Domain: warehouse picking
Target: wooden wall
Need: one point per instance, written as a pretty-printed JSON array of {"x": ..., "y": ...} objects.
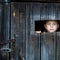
[
  {"x": 30, "y": 45},
  {"x": 33, "y": 46}
]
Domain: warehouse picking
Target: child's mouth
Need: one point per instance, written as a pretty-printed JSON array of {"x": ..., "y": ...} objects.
[{"x": 51, "y": 29}]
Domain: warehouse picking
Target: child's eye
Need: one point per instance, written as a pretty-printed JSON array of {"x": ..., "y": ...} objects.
[
  {"x": 54, "y": 24},
  {"x": 49, "y": 24}
]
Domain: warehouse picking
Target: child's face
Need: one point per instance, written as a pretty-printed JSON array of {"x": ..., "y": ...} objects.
[{"x": 51, "y": 26}]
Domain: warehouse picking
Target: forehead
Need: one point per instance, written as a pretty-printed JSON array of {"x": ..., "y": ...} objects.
[{"x": 51, "y": 22}]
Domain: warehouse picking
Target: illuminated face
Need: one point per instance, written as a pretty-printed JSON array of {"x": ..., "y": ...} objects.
[{"x": 51, "y": 26}]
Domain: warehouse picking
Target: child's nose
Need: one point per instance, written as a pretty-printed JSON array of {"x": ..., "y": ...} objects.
[{"x": 51, "y": 25}]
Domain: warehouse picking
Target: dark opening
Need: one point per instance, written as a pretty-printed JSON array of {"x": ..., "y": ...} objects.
[{"x": 39, "y": 25}]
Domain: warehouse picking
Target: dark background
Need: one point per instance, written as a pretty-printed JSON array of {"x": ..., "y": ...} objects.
[{"x": 29, "y": 0}]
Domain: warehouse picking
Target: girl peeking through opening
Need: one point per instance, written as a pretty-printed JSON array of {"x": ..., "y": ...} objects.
[{"x": 51, "y": 25}]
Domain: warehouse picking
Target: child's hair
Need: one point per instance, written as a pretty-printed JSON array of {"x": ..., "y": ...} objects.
[
  {"x": 58, "y": 22},
  {"x": 51, "y": 20}
]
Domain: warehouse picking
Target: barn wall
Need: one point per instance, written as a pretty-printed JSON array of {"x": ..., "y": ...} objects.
[{"x": 28, "y": 44}]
